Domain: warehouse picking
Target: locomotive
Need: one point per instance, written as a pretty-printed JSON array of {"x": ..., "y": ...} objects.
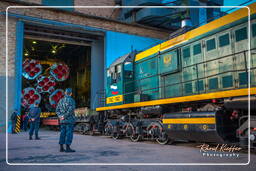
[{"x": 196, "y": 86}]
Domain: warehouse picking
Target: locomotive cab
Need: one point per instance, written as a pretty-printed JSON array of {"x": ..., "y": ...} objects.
[{"x": 119, "y": 75}]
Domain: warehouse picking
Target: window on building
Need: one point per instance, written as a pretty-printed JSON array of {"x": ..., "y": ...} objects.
[
  {"x": 253, "y": 30},
  {"x": 186, "y": 52},
  {"x": 224, "y": 40},
  {"x": 59, "y": 3},
  {"x": 197, "y": 49},
  {"x": 210, "y": 44},
  {"x": 241, "y": 34}
]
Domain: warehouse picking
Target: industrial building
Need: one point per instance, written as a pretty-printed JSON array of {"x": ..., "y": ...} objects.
[
  {"x": 87, "y": 40},
  {"x": 140, "y": 70}
]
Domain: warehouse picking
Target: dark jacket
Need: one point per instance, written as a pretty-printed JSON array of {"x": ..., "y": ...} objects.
[
  {"x": 34, "y": 113},
  {"x": 14, "y": 116},
  {"x": 66, "y": 108}
]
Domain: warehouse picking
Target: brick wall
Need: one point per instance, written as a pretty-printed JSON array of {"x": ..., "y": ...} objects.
[
  {"x": 11, "y": 67},
  {"x": 33, "y": 1},
  {"x": 96, "y": 22},
  {"x": 11, "y": 45},
  {"x": 102, "y": 12},
  {"x": 108, "y": 13}
]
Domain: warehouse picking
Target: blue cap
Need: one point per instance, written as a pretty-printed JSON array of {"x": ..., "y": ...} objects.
[{"x": 68, "y": 90}]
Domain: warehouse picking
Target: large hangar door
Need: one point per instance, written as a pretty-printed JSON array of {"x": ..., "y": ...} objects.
[{"x": 83, "y": 53}]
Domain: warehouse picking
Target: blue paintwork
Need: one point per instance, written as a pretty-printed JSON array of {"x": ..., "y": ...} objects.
[
  {"x": 59, "y": 3},
  {"x": 119, "y": 44},
  {"x": 18, "y": 62}
]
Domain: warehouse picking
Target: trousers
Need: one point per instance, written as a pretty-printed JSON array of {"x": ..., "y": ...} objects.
[
  {"x": 66, "y": 133},
  {"x": 13, "y": 126},
  {"x": 25, "y": 124},
  {"x": 34, "y": 127}
]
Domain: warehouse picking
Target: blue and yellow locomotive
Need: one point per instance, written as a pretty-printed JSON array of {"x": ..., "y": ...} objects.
[{"x": 195, "y": 86}]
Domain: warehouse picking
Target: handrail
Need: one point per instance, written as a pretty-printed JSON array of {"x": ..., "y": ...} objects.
[
  {"x": 191, "y": 80},
  {"x": 210, "y": 60},
  {"x": 157, "y": 89}
]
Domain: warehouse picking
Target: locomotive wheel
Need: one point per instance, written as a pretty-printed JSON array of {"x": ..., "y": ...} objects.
[
  {"x": 135, "y": 137},
  {"x": 83, "y": 128},
  {"x": 129, "y": 130},
  {"x": 163, "y": 139},
  {"x": 160, "y": 136},
  {"x": 116, "y": 136},
  {"x": 108, "y": 129},
  {"x": 92, "y": 133}
]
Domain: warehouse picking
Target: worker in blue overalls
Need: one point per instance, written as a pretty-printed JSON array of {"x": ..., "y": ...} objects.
[
  {"x": 65, "y": 111},
  {"x": 34, "y": 119}
]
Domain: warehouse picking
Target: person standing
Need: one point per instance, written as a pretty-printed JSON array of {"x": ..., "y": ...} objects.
[
  {"x": 25, "y": 121},
  {"x": 14, "y": 120},
  {"x": 65, "y": 112},
  {"x": 34, "y": 118}
]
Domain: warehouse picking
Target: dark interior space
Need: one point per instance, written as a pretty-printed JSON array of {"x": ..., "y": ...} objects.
[{"x": 76, "y": 57}]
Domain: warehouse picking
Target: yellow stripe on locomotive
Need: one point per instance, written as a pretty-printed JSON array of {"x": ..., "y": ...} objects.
[
  {"x": 205, "y": 63},
  {"x": 190, "y": 87}
]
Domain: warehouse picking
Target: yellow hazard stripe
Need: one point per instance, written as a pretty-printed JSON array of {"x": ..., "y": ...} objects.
[
  {"x": 190, "y": 121},
  {"x": 227, "y": 19},
  {"x": 17, "y": 126},
  {"x": 213, "y": 95}
]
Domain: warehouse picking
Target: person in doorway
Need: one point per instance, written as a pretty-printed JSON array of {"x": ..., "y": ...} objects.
[
  {"x": 65, "y": 112},
  {"x": 14, "y": 120},
  {"x": 34, "y": 119}
]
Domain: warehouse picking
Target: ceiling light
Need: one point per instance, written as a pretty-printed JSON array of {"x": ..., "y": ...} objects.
[
  {"x": 34, "y": 42},
  {"x": 53, "y": 51},
  {"x": 26, "y": 54}
]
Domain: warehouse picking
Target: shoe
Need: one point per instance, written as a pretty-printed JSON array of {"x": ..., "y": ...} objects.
[
  {"x": 30, "y": 138},
  {"x": 69, "y": 150},
  {"x": 37, "y": 138},
  {"x": 62, "y": 148}
]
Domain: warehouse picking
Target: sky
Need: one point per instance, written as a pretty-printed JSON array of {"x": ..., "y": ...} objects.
[{"x": 236, "y": 3}]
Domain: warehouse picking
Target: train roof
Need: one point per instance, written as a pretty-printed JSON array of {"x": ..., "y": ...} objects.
[
  {"x": 129, "y": 57},
  {"x": 227, "y": 19}
]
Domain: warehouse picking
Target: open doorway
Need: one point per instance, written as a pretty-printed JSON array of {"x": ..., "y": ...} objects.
[{"x": 51, "y": 66}]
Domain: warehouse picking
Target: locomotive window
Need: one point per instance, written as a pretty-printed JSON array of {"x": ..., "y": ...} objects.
[
  {"x": 112, "y": 70},
  {"x": 118, "y": 72},
  {"x": 186, "y": 52},
  {"x": 108, "y": 73},
  {"x": 224, "y": 40},
  {"x": 241, "y": 34},
  {"x": 253, "y": 30},
  {"x": 213, "y": 83},
  {"x": 113, "y": 78},
  {"x": 119, "y": 68},
  {"x": 152, "y": 65},
  {"x": 197, "y": 49},
  {"x": 210, "y": 44}
]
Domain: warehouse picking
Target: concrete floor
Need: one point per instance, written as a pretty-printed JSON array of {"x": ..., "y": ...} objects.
[{"x": 98, "y": 149}]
